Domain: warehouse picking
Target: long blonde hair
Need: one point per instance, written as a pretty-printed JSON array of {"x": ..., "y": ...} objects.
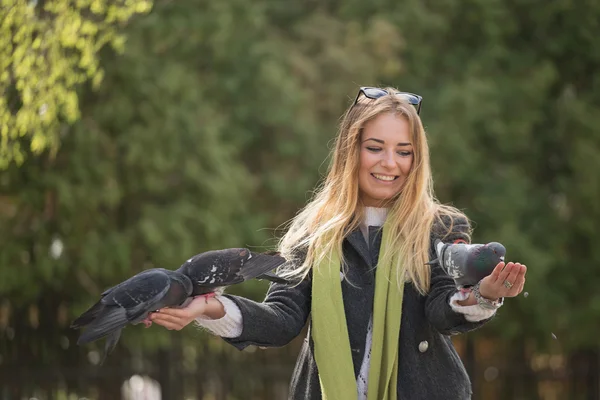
[{"x": 336, "y": 210}]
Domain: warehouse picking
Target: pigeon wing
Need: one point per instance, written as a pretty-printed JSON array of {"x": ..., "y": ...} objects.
[
  {"x": 151, "y": 291},
  {"x": 231, "y": 266},
  {"x": 455, "y": 259},
  {"x": 128, "y": 303},
  {"x": 92, "y": 313},
  {"x": 259, "y": 265},
  {"x": 459, "y": 267}
]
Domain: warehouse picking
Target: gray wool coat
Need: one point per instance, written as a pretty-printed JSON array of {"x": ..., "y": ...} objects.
[{"x": 429, "y": 367}]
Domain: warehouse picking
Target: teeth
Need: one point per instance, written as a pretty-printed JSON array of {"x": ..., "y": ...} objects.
[{"x": 384, "y": 177}]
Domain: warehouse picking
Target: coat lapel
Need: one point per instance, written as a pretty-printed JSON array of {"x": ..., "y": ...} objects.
[
  {"x": 375, "y": 236},
  {"x": 357, "y": 241}
]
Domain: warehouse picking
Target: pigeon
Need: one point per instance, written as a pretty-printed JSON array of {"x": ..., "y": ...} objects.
[
  {"x": 467, "y": 264},
  {"x": 130, "y": 302},
  {"x": 212, "y": 271},
  {"x": 205, "y": 274}
]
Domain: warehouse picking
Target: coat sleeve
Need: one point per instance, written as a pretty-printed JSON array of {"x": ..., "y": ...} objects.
[
  {"x": 442, "y": 287},
  {"x": 275, "y": 321}
]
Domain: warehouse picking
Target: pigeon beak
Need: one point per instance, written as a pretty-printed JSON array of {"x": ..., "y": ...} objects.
[{"x": 502, "y": 258}]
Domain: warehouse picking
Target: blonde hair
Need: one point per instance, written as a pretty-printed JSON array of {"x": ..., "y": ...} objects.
[{"x": 336, "y": 210}]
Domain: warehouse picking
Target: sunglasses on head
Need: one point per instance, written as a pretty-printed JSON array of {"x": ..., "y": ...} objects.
[{"x": 375, "y": 93}]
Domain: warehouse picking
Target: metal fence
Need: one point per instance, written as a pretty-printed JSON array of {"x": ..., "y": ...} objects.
[{"x": 207, "y": 368}]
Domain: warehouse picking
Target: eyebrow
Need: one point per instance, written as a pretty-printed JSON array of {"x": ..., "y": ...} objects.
[{"x": 383, "y": 142}]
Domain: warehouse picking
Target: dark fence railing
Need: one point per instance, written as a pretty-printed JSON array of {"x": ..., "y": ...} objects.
[{"x": 201, "y": 367}]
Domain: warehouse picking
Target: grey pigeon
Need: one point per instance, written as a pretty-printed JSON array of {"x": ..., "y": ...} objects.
[
  {"x": 130, "y": 302},
  {"x": 467, "y": 264},
  {"x": 212, "y": 271}
]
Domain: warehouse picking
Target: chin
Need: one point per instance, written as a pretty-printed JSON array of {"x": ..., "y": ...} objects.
[
  {"x": 388, "y": 196},
  {"x": 390, "y": 199},
  {"x": 380, "y": 201}
]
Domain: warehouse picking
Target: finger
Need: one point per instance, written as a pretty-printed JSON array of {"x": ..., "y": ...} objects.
[
  {"x": 523, "y": 269},
  {"x": 521, "y": 286},
  {"x": 169, "y": 325},
  {"x": 505, "y": 272},
  {"x": 496, "y": 272},
  {"x": 174, "y": 312},
  {"x": 515, "y": 284},
  {"x": 522, "y": 273},
  {"x": 176, "y": 322},
  {"x": 159, "y": 316},
  {"x": 519, "y": 281},
  {"x": 513, "y": 274}
]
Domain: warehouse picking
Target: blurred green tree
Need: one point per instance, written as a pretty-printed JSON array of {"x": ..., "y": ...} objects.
[
  {"x": 48, "y": 48},
  {"x": 214, "y": 125}
]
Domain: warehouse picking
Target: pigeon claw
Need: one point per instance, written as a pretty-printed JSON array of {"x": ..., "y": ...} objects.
[
  {"x": 206, "y": 296},
  {"x": 464, "y": 290}
]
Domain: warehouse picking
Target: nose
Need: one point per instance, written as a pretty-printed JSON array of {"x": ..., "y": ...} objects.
[{"x": 388, "y": 159}]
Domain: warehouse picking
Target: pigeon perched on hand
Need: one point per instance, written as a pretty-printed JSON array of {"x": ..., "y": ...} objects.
[
  {"x": 467, "y": 264},
  {"x": 212, "y": 271},
  {"x": 130, "y": 302}
]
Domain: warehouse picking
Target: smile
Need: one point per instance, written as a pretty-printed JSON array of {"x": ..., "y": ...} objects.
[{"x": 384, "y": 178}]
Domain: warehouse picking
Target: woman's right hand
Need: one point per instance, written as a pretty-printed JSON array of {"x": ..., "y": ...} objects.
[{"x": 179, "y": 318}]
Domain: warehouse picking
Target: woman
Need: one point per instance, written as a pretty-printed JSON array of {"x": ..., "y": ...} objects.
[{"x": 380, "y": 317}]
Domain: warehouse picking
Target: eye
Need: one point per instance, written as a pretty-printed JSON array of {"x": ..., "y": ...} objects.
[
  {"x": 374, "y": 149},
  {"x": 405, "y": 153}
]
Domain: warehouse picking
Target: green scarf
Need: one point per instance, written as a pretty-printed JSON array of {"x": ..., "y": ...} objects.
[{"x": 330, "y": 332}]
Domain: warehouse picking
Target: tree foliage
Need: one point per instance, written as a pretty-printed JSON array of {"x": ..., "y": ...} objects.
[
  {"x": 212, "y": 127},
  {"x": 47, "y": 49}
]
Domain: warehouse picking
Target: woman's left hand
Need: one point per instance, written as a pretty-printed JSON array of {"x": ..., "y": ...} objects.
[{"x": 504, "y": 281}]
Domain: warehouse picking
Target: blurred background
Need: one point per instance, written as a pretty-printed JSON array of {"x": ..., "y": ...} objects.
[{"x": 137, "y": 134}]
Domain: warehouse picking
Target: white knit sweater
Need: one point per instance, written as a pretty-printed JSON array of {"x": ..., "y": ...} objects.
[{"x": 230, "y": 326}]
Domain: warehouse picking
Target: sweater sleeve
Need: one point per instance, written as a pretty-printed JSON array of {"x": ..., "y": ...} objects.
[
  {"x": 473, "y": 313},
  {"x": 441, "y": 314},
  {"x": 229, "y": 326}
]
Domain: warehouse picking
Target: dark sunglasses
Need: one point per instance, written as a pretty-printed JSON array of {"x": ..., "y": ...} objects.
[{"x": 375, "y": 93}]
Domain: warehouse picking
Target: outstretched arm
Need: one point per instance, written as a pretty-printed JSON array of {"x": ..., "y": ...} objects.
[
  {"x": 277, "y": 320},
  {"x": 272, "y": 323},
  {"x": 445, "y": 317},
  {"x": 464, "y": 314}
]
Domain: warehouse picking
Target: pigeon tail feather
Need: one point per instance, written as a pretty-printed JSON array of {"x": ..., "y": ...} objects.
[
  {"x": 260, "y": 264},
  {"x": 269, "y": 276},
  {"x": 88, "y": 317},
  {"x": 111, "y": 342},
  {"x": 439, "y": 247},
  {"x": 104, "y": 325}
]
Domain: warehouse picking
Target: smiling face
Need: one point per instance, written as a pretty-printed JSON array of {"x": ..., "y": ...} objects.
[{"x": 386, "y": 156}]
